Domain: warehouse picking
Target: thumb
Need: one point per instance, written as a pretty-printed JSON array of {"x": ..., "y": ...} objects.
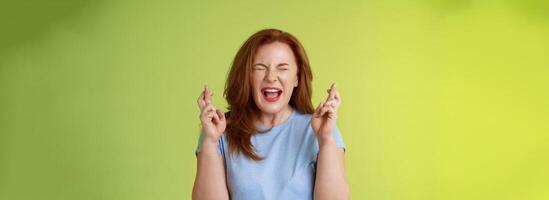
[
  {"x": 317, "y": 110},
  {"x": 221, "y": 115},
  {"x": 216, "y": 117}
]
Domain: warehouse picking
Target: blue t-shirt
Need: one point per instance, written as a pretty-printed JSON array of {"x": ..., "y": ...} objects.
[{"x": 288, "y": 168}]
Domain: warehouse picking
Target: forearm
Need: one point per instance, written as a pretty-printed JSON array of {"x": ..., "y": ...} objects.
[
  {"x": 210, "y": 182},
  {"x": 330, "y": 176}
]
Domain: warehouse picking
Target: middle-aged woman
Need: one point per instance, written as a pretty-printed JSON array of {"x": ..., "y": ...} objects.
[{"x": 272, "y": 143}]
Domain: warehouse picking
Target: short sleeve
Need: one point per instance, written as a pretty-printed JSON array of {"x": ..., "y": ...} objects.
[
  {"x": 339, "y": 139},
  {"x": 201, "y": 138}
]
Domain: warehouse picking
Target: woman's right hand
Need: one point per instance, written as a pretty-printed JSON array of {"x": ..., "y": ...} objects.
[{"x": 213, "y": 121}]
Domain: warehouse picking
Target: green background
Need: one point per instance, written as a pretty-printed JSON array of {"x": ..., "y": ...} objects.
[{"x": 441, "y": 99}]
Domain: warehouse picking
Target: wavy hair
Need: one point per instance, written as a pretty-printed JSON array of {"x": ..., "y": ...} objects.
[{"x": 242, "y": 110}]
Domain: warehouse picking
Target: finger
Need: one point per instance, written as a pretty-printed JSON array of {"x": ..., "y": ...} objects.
[
  {"x": 337, "y": 95},
  {"x": 334, "y": 103},
  {"x": 331, "y": 103},
  {"x": 200, "y": 101},
  {"x": 329, "y": 109},
  {"x": 208, "y": 108},
  {"x": 323, "y": 110},
  {"x": 331, "y": 92},
  {"x": 215, "y": 116},
  {"x": 209, "y": 115},
  {"x": 333, "y": 89},
  {"x": 317, "y": 110},
  {"x": 337, "y": 98},
  {"x": 221, "y": 115},
  {"x": 208, "y": 95},
  {"x": 203, "y": 95},
  {"x": 331, "y": 112}
]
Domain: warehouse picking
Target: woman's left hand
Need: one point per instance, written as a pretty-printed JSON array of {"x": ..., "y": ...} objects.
[{"x": 324, "y": 118}]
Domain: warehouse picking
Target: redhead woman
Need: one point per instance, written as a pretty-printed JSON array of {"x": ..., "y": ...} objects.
[{"x": 272, "y": 143}]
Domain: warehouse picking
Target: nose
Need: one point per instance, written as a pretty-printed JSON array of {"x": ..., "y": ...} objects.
[{"x": 271, "y": 76}]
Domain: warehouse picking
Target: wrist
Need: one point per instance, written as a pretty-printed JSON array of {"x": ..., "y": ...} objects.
[
  {"x": 210, "y": 140},
  {"x": 208, "y": 146},
  {"x": 326, "y": 140}
]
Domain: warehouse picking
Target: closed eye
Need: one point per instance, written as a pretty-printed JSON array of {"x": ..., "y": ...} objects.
[
  {"x": 259, "y": 66},
  {"x": 283, "y": 66}
]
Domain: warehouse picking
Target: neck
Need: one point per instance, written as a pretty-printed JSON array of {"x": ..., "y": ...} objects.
[{"x": 274, "y": 119}]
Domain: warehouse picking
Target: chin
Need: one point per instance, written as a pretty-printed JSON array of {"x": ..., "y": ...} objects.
[{"x": 270, "y": 109}]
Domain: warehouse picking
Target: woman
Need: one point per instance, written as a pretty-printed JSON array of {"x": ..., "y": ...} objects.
[{"x": 272, "y": 144}]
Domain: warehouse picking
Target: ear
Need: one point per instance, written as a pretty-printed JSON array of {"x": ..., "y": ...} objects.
[{"x": 296, "y": 82}]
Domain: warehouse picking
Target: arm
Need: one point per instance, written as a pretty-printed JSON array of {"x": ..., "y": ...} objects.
[
  {"x": 210, "y": 182},
  {"x": 331, "y": 182}
]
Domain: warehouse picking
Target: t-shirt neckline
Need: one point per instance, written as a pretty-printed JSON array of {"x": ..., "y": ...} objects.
[{"x": 262, "y": 127}]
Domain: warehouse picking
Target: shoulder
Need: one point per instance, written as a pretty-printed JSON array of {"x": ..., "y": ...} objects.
[
  {"x": 301, "y": 118},
  {"x": 301, "y": 122}
]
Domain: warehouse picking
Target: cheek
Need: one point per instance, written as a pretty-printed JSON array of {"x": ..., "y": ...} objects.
[
  {"x": 256, "y": 81},
  {"x": 289, "y": 80}
]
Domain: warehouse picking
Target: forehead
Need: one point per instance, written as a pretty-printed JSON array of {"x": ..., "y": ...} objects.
[{"x": 274, "y": 52}]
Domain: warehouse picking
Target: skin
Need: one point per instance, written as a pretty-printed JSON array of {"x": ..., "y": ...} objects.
[
  {"x": 331, "y": 181},
  {"x": 274, "y": 66},
  {"x": 210, "y": 182}
]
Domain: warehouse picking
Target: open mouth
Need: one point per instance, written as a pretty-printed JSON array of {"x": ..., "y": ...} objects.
[{"x": 271, "y": 94}]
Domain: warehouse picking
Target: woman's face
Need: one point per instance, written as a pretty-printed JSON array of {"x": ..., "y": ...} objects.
[{"x": 274, "y": 76}]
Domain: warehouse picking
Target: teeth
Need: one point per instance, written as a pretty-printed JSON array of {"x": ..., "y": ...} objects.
[{"x": 271, "y": 90}]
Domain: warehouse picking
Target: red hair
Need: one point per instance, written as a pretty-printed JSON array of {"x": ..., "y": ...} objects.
[{"x": 238, "y": 89}]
